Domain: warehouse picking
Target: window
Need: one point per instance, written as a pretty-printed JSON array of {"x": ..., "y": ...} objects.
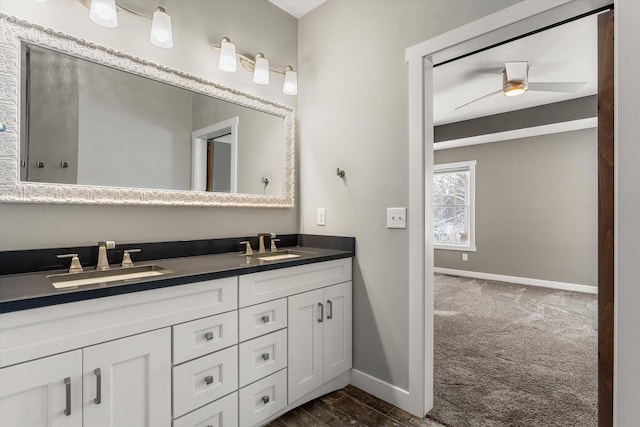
[{"x": 454, "y": 206}]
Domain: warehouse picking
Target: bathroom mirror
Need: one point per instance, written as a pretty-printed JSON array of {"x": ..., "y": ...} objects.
[{"x": 86, "y": 124}]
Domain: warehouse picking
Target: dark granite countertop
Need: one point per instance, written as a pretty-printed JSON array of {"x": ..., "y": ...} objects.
[{"x": 32, "y": 290}]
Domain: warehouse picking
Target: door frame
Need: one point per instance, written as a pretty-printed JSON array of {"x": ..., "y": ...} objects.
[
  {"x": 199, "y": 138},
  {"x": 510, "y": 22}
]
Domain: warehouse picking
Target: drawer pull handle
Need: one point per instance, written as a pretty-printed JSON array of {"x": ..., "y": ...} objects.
[
  {"x": 321, "y": 307},
  {"x": 208, "y": 380},
  {"x": 208, "y": 336},
  {"x": 265, "y": 399},
  {"x": 98, "y": 399},
  {"x": 265, "y": 356},
  {"x": 67, "y": 388},
  {"x": 265, "y": 319},
  {"x": 330, "y": 307}
]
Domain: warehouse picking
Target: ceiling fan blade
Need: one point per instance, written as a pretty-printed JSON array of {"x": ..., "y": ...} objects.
[
  {"x": 565, "y": 87},
  {"x": 478, "y": 99},
  {"x": 516, "y": 70}
]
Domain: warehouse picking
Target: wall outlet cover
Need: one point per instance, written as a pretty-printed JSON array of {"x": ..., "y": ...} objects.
[
  {"x": 321, "y": 217},
  {"x": 396, "y": 217}
]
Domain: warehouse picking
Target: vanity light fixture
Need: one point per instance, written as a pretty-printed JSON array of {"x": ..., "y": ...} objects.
[
  {"x": 161, "y": 34},
  {"x": 105, "y": 13},
  {"x": 227, "y": 61},
  {"x": 258, "y": 65},
  {"x": 261, "y": 70}
]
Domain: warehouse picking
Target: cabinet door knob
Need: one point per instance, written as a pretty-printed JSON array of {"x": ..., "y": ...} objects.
[
  {"x": 208, "y": 336},
  {"x": 265, "y": 399},
  {"x": 208, "y": 380},
  {"x": 67, "y": 389},
  {"x": 264, "y": 319},
  {"x": 265, "y": 356}
]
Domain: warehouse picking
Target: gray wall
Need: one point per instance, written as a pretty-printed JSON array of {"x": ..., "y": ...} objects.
[
  {"x": 574, "y": 109},
  {"x": 260, "y": 143},
  {"x": 133, "y": 132},
  {"x": 254, "y": 25},
  {"x": 536, "y": 208},
  {"x": 353, "y": 115}
]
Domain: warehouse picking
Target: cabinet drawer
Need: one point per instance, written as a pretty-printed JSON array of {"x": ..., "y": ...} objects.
[
  {"x": 204, "y": 336},
  {"x": 221, "y": 413},
  {"x": 204, "y": 380},
  {"x": 262, "y": 356},
  {"x": 263, "y": 399},
  {"x": 262, "y": 319},
  {"x": 273, "y": 284}
]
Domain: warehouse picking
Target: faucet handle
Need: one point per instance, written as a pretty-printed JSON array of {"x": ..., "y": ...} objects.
[
  {"x": 248, "y": 251},
  {"x": 126, "y": 258},
  {"x": 273, "y": 245},
  {"x": 75, "y": 266}
]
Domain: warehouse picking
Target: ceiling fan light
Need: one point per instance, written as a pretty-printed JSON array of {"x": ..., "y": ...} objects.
[{"x": 514, "y": 89}]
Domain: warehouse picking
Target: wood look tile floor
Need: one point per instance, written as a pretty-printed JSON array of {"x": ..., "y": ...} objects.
[{"x": 350, "y": 407}]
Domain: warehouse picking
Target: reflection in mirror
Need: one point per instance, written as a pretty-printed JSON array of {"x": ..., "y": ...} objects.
[{"x": 90, "y": 124}]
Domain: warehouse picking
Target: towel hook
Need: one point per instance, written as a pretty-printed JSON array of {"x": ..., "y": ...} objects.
[{"x": 340, "y": 172}]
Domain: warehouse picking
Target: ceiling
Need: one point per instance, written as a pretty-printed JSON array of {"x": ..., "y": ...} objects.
[
  {"x": 567, "y": 53},
  {"x": 297, "y": 8}
]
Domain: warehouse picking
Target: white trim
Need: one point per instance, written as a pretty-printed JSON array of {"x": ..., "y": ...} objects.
[
  {"x": 587, "y": 289},
  {"x": 199, "y": 138},
  {"x": 591, "y": 122},
  {"x": 381, "y": 389},
  {"x": 455, "y": 248},
  {"x": 537, "y": 14},
  {"x": 469, "y": 165}
]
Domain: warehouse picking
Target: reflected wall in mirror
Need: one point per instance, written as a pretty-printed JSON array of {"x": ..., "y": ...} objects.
[{"x": 98, "y": 126}]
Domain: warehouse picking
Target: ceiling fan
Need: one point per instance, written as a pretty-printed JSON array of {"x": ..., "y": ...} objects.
[{"x": 515, "y": 81}]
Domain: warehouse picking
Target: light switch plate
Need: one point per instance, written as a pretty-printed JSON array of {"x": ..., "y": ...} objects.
[
  {"x": 396, "y": 217},
  {"x": 322, "y": 216}
]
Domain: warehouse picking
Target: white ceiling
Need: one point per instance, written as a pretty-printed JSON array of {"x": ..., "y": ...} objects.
[
  {"x": 297, "y": 8},
  {"x": 567, "y": 53}
]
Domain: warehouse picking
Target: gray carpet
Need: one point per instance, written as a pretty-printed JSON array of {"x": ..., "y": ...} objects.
[{"x": 513, "y": 355}]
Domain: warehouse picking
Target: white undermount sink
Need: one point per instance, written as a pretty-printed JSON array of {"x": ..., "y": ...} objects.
[
  {"x": 282, "y": 254},
  {"x": 72, "y": 280},
  {"x": 277, "y": 257}
]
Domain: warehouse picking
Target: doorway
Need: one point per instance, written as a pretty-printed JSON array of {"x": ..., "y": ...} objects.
[{"x": 514, "y": 21}]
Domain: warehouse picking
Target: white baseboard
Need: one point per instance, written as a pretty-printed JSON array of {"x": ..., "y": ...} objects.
[
  {"x": 519, "y": 280},
  {"x": 381, "y": 389}
]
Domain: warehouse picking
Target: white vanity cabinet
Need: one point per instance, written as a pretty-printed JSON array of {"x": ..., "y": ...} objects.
[
  {"x": 227, "y": 352},
  {"x": 43, "y": 393},
  {"x": 319, "y": 338},
  {"x": 125, "y": 382}
]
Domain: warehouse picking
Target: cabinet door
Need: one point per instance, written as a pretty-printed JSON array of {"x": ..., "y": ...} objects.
[
  {"x": 306, "y": 318},
  {"x": 127, "y": 382},
  {"x": 45, "y": 392},
  {"x": 337, "y": 330}
]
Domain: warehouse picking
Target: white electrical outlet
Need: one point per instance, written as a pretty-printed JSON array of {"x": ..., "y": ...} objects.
[
  {"x": 465, "y": 257},
  {"x": 322, "y": 217},
  {"x": 396, "y": 217}
]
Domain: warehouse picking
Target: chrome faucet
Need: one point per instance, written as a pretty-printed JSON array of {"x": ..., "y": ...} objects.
[{"x": 103, "y": 261}]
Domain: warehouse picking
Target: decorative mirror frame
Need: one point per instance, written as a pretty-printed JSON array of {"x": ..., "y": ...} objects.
[{"x": 14, "y": 31}]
